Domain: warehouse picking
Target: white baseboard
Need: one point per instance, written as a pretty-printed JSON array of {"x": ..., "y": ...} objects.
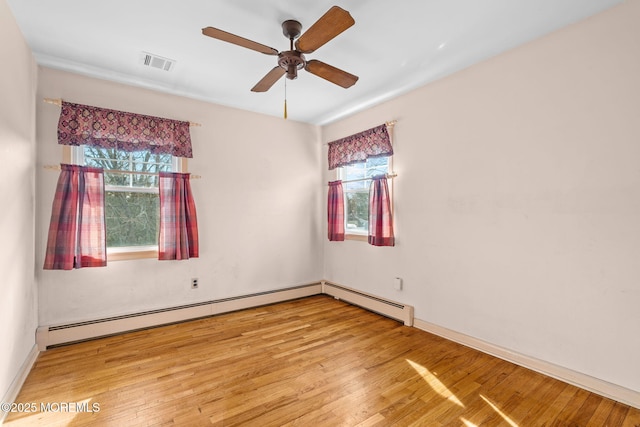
[
  {"x": 595, "y": 385},
  {"x": 53, "y": 335},
  {"x": 47, "y": 336},
  {"x": 18, "y": 381}
]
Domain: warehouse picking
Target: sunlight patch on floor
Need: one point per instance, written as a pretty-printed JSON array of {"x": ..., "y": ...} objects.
[
  {"x": 435, "y": 383},
  {"x": 468, "y": 423},
  {"x": 502, "y": 414}
]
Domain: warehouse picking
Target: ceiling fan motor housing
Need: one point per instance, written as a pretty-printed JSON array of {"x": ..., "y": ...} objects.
[{"x": 291, "y": 61}]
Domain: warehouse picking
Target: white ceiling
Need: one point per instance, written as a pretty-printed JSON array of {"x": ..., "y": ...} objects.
[{"x": 393, "y": 47}]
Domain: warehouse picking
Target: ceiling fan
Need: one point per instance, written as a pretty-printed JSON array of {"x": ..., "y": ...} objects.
[{"x": 333, "y": 22}]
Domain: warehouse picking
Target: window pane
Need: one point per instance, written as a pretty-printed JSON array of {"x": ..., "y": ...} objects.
[
  {"x": 357, "y": 212},
  {"x": 356, "y": 186},
  {"x": 144, "y": 181},
  {"x": 380, "y": 170},
  {"x": 107, "y": 158},
  {"x": 118, "y": 179},
  {"x": 105, "y": 153},
  {"x": 353, "y": 172},
  {"x": 137, "y": 161},
  {"x": 356, "y": 194},
  {"x": 146, "y": 156},
  {"x": 378, "y": 161},
  {"x": 374, "y": 166},
  {"x": 377, "y": 166},
  {"x": 144, "y": 161},
  {"x": 132, "y": 218}
]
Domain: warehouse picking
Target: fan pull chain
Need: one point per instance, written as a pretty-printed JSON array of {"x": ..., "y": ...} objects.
[{"x": 285, "y": 99}]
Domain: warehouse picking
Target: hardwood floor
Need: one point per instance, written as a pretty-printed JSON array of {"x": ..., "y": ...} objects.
[{"x": 310, "y": 362}]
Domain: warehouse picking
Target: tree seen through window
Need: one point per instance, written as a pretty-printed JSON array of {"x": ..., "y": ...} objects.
[{"x": 132, "y": 207}]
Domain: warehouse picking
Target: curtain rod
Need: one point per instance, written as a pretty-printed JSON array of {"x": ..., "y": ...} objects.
[
  {"x": 386, "y": 175},
  {"x": 58, "y": 102},
  {"x": 57, "y": 168}
]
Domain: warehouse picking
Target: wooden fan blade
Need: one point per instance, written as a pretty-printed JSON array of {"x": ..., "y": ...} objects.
[
  {"x": 268, "y": 80},
  {"x": 330, "y": 73},
  {"x": 237, "y": 40},
  {"x": 332, "y": 23}
]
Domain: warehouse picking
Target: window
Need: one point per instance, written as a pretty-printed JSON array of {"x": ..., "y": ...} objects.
[
  {"x": 356, "y": 192},
  {"x": 359, "y": 158},
  {"x": 132, "y": 206}
]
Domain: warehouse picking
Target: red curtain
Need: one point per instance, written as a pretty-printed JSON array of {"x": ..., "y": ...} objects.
[
  {"x": 77, "y": 236},
  {"x": 178, "y": 222},
  {"x": 380, "y": 219},
  {"x": 335, "y": 211}
]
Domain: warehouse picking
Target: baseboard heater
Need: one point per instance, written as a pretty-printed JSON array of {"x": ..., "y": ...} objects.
[
  {"x": 52, "y": 336},
  {"x": 385, "y": 307}
]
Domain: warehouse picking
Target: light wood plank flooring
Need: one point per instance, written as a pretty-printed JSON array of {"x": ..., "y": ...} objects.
[{"x": 311, "y": 362}]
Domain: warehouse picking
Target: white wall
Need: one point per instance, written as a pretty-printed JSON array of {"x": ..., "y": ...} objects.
[
  {"x": 518, "y": 200},
  {"x": 258, "y": 206},
  {"x": 18, "y": 298}
]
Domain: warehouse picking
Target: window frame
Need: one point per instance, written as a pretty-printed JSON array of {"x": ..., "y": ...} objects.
[
  {"x": 75, "y": 155},
  {"x": 363, "y": 236}
]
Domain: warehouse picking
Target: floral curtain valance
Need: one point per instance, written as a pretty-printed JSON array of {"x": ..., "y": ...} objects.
[
  {"x": 374, "y": 142},
  {"x": 101, "y": 127}
]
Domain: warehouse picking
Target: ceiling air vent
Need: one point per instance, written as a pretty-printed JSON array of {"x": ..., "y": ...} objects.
[{"x": 155, "y": 61}]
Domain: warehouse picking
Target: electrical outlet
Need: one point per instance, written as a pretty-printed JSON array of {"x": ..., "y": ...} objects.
[
  {"x": 194, "y": 283},
  {"x": 397, "y": 283}
]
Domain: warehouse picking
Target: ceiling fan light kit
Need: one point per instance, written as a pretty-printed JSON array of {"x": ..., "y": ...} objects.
[{"x": 332, "y": 23}]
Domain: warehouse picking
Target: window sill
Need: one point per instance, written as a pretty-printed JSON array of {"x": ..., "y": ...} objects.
[
  {"x": 124, "y": 254},
  {"x": 357, "y": 237}
]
